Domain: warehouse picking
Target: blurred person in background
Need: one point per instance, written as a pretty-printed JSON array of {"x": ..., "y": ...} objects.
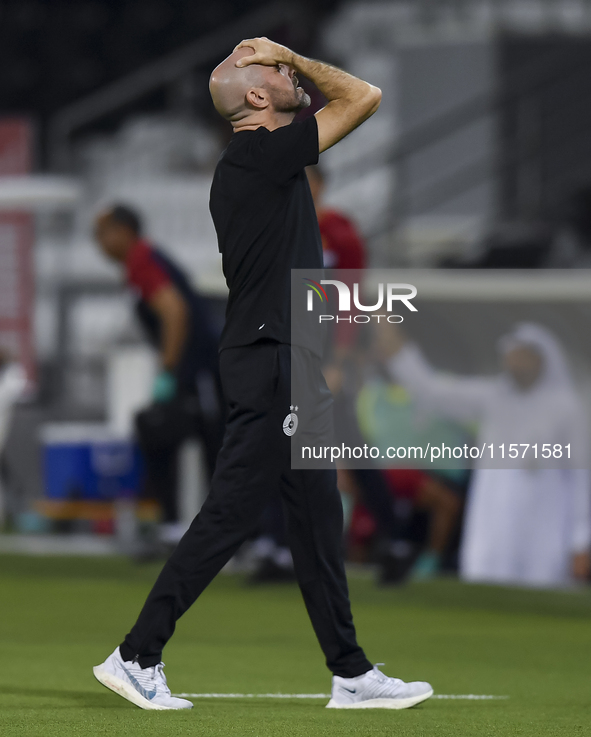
[
  {"x": 186, "y": 392},
  {"x": 523, "y": 525},
  {"x": 377, "y": 489},
  {"x": 13, "y": 382},
  {"x": 389, "y": 416},
  {"x": 342, "y": 246},
  {"x": 343, "y": 249}
]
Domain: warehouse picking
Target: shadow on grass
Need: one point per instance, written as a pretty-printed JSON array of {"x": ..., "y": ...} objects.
[{"x": 75, "y": 698}]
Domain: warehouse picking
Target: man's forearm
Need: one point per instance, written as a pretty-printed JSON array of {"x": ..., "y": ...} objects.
[
  {"x": 172, "y": 311},
  {"x": 334, "y": 83},
  {"x": 350, "y": 100},
  {"x": 174, "y": 334}
]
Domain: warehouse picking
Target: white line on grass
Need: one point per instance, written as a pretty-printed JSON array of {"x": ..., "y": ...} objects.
[
  {"x": 253, "y": 695},
  {"x": 468, "y": 696},
  {"x": 465, "y": 697}
]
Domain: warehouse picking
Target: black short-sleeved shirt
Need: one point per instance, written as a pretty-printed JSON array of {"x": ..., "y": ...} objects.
[{"x": 266, "y": 224}]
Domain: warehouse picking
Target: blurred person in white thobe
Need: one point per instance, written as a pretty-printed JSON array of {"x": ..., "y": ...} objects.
[
  {"x": 13, "y": 381},
  {"x": 525, "y": 524}
]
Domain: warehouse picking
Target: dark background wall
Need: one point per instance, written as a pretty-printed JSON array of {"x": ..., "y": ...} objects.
[
  {"x": 544, "y": 127},
  {"x": 53, "y": 52}
]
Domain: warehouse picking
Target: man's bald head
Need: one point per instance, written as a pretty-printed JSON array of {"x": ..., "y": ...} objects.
[
  {"x": 230, "y": 84},
  {"x": 255, "y": 94}
]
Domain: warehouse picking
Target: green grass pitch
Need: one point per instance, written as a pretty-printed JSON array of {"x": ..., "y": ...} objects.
[{"x": 60, "y": 616}]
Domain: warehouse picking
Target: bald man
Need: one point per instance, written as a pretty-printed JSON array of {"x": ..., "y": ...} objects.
[{"x": 266, "y": 225}]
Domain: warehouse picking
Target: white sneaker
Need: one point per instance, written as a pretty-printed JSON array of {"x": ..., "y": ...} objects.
[
  {"x": 144, "y": 687},
  {"x": 374, "y": 690}
]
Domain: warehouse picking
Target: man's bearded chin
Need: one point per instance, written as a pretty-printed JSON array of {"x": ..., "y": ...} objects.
[
  {"x": 291, "y": 103},
  {"x": 304, "y": 98}
]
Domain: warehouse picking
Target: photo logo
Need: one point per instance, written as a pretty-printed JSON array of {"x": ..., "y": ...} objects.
[
  {"x": 388, "y": 295},
  {"x": 314, "y": 287}
]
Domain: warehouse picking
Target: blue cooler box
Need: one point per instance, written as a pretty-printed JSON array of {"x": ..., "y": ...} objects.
[{"x": 82, "y": 461}]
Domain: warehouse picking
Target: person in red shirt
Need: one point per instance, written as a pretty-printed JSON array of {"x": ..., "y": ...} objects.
[
  {"x": 342, "y": 246},
  {"x": 186, "y": 396},
  {"x": 160, "y": 302}
]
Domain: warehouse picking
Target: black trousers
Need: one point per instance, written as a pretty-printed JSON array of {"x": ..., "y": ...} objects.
[{"x": 254, "y": 465}]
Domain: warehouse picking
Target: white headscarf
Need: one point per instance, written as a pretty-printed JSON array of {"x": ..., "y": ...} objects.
[{"x": 555, "y": 373}]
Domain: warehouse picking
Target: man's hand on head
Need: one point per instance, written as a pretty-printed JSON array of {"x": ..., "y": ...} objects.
[
  {"x": 351, "y": 101},
  {"x": 266, "y": 52}
]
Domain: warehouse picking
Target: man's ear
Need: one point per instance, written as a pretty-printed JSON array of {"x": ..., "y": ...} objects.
[{"x": 257, "y": 98}]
